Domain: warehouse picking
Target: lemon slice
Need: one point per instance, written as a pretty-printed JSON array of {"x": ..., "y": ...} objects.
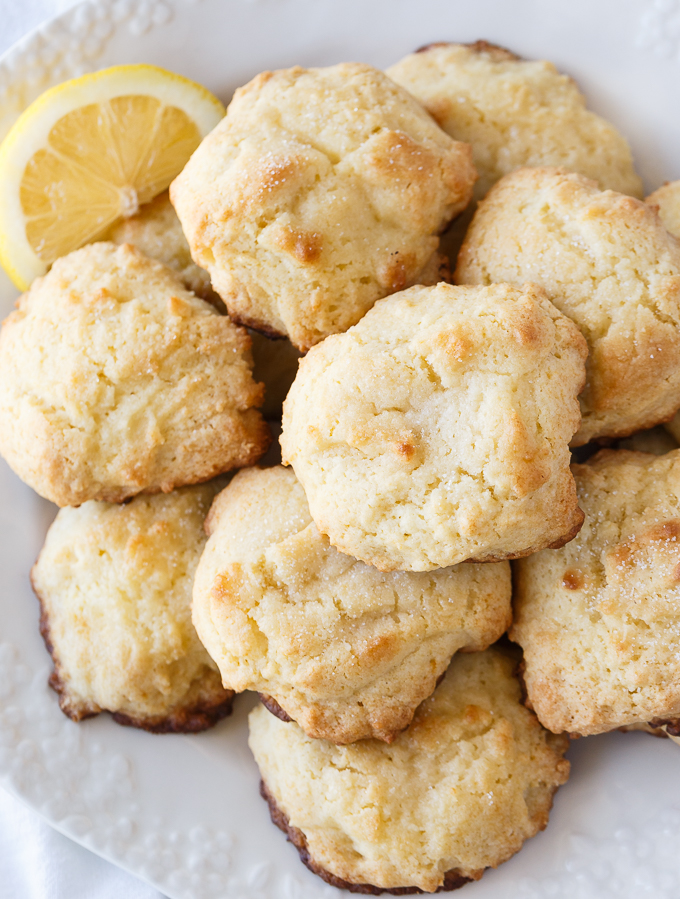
[{"x": 89, "y": 152}]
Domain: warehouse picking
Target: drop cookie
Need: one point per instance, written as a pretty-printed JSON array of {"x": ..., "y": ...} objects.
[
  {"x": 116, "y": 380},
  {"x": 114, "y": 583},
  {"x": 599, "y": 619},
  {"x": 436, "y": 430},
  {"x": 346, "y": 651},
  {"x": 667, "y": 201},
  {"x": 607, "y": 262},
  {"x": 459, "y": 791},
  {"x": 515, "y": 112},
  {"x": 321, "y": 191}
]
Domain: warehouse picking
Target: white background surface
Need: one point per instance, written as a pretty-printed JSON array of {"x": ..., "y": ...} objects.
[
  {"x": 184, "y": 811},
  {"x": 36, "y": 862}
]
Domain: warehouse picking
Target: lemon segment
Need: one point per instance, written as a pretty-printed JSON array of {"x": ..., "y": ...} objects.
[{"x": 88, "y": 153}]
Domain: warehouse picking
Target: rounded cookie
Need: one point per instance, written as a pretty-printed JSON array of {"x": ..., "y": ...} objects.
[
  {"x": 320, "y": 191},
  {"x": 515, "y": 112},
  {"x": 608, "y": 263},
  {"x": 114, "y": 583},
  {"x": 599, "y": 619},
  {"x": 437, "y": 429},
  {"x": 115, "y": 380},
  {"x": 460, "y": 790},
  {"x": 667, "y": 201},
  {"x": 346, "y": 651}
]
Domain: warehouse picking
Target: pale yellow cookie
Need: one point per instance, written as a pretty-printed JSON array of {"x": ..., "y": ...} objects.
[
  {"x": 116, "y": 380},
  {"x": 346, "y": 651},
  {"x": 459, "y": 791},
  {"x": 599, "y": 619},
  {"x": 437, "y": 429},
  {"x": 515, "y": 112},
  {"x": 157, "y": 232},
  {"x": 321, "y": 191},
  {"x": 608, "y": 263},
  {"x": 114, "y": 582},
  {"x": 667, "y": 201}
]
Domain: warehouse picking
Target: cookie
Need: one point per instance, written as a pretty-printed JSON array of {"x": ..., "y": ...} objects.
[
  {"x": 156, "y": 231},
  {"x": 461, "y": 790},
  {"x": 115, "y": 380},
  {"x": 515, "y": 112},
  {"x": 346, "y": 651},
  {"x": 608, "y": 263},
  {"x": 321, "y": 191},
  {"x": 599, "y": 619},
  {"x": 114, "y": 583},
  {"x": 667, "y": 201},
  {"x": 436, "y": 430}
]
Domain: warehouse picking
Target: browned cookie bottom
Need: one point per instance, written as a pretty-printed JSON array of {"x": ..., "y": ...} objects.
[
  {"x": 672, "y": 725},
  {"x": 191, "y": 720},
  {"x": 202, "y": 715},
  {"x": 452, "y": 879},
  {"x": 272, "y": 706}
]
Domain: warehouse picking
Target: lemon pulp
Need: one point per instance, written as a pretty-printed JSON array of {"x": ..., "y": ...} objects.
[{"x": 101, "y": 162}]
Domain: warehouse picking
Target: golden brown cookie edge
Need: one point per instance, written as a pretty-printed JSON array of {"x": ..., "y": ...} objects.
[
  {"x": 453, "y": 880},
  {"x": 193, "y": 719}
]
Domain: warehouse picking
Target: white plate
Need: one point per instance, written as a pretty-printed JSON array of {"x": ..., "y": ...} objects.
[{"x": 184, "y": 812}]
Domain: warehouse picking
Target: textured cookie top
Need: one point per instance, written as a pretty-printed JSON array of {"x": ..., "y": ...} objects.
[
  {"x": 469, "y": 781},
  {"x": 608, "y": 263},
  {"x": 115, "y": 380},
  {"x": 436, "y": 429},
  {"x": 157, "y": 232},
  {"x": 667, "y": 201},
  {"x": 515, "y": 112},
  {"x": 599, "y": 619},
  {"x": 346, "y": 651},
  {"x": 320, "y": 191},
  {"x": 115, "y": 587}
]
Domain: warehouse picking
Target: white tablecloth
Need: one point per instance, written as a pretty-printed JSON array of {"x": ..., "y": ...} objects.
[{"x": 36, "y": 862}]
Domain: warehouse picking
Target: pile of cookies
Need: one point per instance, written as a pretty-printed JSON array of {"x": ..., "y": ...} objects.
[{"x": 431, "y": 408}]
